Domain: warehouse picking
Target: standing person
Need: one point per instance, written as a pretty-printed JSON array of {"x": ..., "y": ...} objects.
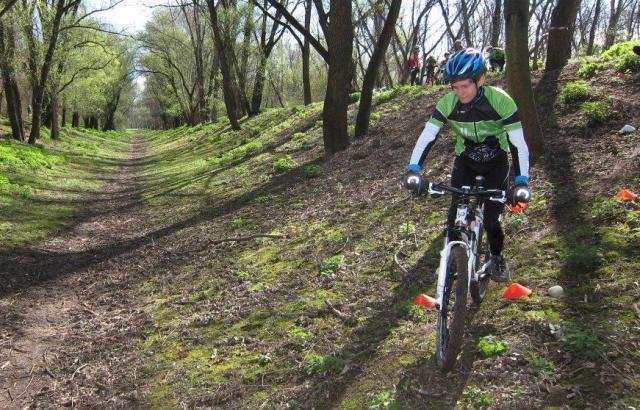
[
  {"x": 457, "y": 46},
  {"x": 496, "y": 58},
  {"x": 487, "y": 127},
  {"x": 413, "y": 65},
  {"x": 431, "y": 69}
]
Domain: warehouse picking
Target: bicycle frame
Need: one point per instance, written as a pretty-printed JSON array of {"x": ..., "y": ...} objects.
[{"x": 469, "y": 230}]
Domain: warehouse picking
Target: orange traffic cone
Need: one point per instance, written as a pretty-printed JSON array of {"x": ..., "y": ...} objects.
[
  {"x": 625, "y": 195},
  {"x": 516, "y": 291},
  {"x": 425, "y": 301}
]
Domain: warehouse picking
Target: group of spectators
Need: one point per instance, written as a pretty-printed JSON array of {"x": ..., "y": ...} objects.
[{"x": 494, "y": 55}]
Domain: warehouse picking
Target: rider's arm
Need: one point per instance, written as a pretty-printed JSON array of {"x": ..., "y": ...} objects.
[
  {"x": 429, "y": 134},
  {"x": 519, "y": 152}
]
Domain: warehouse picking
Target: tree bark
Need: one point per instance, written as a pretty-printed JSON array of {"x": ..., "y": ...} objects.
[
  {"x": 340, "y": 45},
  {"x": 63, "y": 121},
  {"x": 563, "y": 21},
  {"x": 306, "y": 52},
  {"x": 614, "y": 17},
  {"x": 228, "y": 86},
  {"x": 75, "y": 119},
  {"x": 55, "y": 120},
  {"x": 12, "y": 92},
  {"x": 518, "y": 75},
  {"x": 594, "y": 26},
  {"x": 496, "y": 24},
  {"x": 364, "y": 111}
]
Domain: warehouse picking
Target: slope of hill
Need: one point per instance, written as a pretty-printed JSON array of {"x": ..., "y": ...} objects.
[{"x": 256, "y": 274}]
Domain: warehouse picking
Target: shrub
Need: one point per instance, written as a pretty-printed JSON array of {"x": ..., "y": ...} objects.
[
  {"x": 385, "y": 96},
  {"x": 318, "y": 364},
  {"x": 590, "y": 68},
  {"x": 330, "y": 265},
  {"x": 623, "y": 56},
  {"x": 582, "y": 342},
  {"x": 595, "y": 112},
  {"x": 490, "y": 346},
  {"x": 298, "y": 136},
  {"x": 284, "y": 164},
  {"x": 574, "y": 91},
  {"x": 354, "y": 97},
  {"x": 311, "y": 170}
]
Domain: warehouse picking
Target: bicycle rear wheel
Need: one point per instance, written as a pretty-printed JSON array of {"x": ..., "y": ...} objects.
[{"x": 452, "y": 314}]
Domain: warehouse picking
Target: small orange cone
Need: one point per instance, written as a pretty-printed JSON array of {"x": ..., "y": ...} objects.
[
  {"x": 621, "y": 75},
  {"x": 425, "y": 301},
  {"x": 517, "y": 207},
  {"x": 516, "y": 291},
  {"x": 625, "y": 195}
]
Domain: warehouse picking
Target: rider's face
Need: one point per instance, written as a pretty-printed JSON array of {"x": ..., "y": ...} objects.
[{"x": 466, "y": 90}]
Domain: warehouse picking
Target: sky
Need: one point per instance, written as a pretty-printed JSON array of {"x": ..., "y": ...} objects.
[{"x": 129, "y": 15}]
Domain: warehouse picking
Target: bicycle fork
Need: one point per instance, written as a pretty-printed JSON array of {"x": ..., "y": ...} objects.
[{"x": 442, "y": 269}]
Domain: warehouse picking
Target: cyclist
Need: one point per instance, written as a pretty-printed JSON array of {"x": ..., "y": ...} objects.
[
  {"x": 413, "y": 65},
  {"x": 496, "y": 58},
  {"x": 485, "y": 122},
  {"x": 431, "y": 68}
]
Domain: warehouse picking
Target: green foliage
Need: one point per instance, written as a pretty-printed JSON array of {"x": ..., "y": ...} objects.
[
  {"x": 319, "y": 364},
  {"x": 590, "y": 67},
  {"x": 284, "y": 164},
  {"x": 580, "y": 258},
  {"x": 574, "y": 91},
  {"x": 406, "y": 228},
  {"x": 384, "y": 96},
  {"x": 582, "y": 341},
  {"x": 299, "y": 336},
  {"x": 490, "y": 346},
  {"x": 595, "y": 112},
  {"x": 622, "y": 55},
  {"x": 237, "y": 223},
  {"x": 606, "y": 209},
  {"x": 330, "y": 265},
  {"x": 298, "y": 136},
  {"x": 476, "y": 397},
  {"x": 410, "y": 311},
  {"x": 385, "y": 400},
  {"x": 311, "y": 170},
  {"x": 354, "y": 97},
  {"x": 540, "y": 364}
]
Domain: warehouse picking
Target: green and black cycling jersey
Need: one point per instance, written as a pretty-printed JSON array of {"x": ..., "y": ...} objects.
[{"x": 483, "y": 128}]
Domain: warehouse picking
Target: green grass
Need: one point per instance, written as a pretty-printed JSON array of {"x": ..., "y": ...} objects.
[{"x": 42, "y": 185}]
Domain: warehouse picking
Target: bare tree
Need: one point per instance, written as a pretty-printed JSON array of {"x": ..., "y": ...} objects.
[
  {"x": 364, "y": 111},
  {"x": 7, "y": 70},
  {"x": 518, "y": 75},
  {"x": 563, "y": 20}
]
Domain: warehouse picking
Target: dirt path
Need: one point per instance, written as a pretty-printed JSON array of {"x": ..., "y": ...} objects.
[{"x": 66, "y": 308}]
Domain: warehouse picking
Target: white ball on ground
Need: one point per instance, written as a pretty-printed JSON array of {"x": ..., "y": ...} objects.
[{"x": 556, "y": 291}]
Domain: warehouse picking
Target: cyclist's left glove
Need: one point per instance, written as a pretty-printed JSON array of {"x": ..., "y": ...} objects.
[
  {"x": 520, "y": 194},
  {"x": 414, "y": 180}
]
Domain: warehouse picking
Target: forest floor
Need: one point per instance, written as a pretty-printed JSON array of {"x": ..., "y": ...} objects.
[{"x": 243, "y": 270}]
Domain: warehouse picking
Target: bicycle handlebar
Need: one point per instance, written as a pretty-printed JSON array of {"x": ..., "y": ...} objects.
[{"x": 495, "y": 195}]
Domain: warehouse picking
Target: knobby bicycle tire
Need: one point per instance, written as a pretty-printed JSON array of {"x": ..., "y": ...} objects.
[
  {"x": 478, "y": 288},
  {"x": 451, "y": 321}
]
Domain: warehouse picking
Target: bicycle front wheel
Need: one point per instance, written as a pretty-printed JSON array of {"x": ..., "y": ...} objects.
[
  {"x": 453, "y": 312},
  {"x": 480, "y": 284}
]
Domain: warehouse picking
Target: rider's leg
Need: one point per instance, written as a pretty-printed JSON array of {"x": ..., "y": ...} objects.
[
  {"x": 461, "y": 175},
  {"x": 496, "y": 178}
]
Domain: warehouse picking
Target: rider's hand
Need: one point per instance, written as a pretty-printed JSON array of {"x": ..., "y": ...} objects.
[
  {"x": 414, "y": 180},
  {"x": 521, "y": 193}
]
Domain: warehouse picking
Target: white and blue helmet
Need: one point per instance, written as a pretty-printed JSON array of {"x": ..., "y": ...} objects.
[{"x": 465, "y": 64}]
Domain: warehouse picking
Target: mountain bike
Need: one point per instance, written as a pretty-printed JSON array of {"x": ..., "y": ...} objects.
[{"x": 464, "y": 268}]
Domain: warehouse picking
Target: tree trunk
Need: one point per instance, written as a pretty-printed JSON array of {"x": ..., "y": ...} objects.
[
  {"x": 336, "y": 103},
  {"x": 109, "y": 122},
  {"x": 42, "y": 78},
  {"x": 55, "y": 121},
  {"x": 612, "y": 28},
  {"x": 563, "y": 21},
  {"x": 496, "y": 24},
  {"x": 75, "y": 119},
  {"x": 306, "y": 51},
  {"x": 364, "y": 111},
  {"x": 12, "y": 92},
  {"x": 518, "y": 76},
  {"x": 258, "y": 85},
  {"x": 594, "y": 26},
  {"x": 465, "y": 22},
  {"x": 228, "y": 88},
  {"x": 63, "y": 122}
]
